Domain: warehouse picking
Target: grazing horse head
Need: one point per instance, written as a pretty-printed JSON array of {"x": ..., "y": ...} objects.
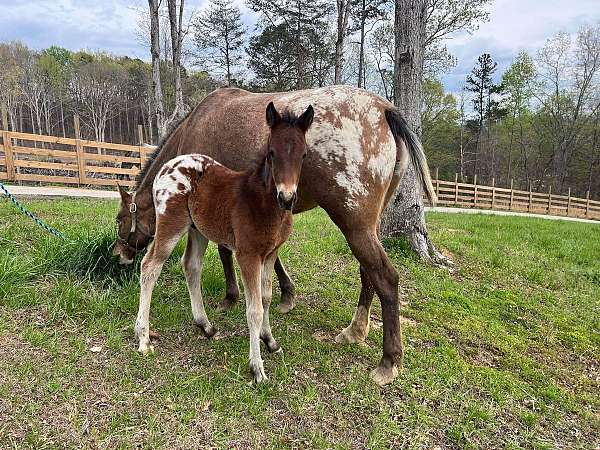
[
  {"x": 132, "y": 234},
  {"x": 286, "y": 151}
]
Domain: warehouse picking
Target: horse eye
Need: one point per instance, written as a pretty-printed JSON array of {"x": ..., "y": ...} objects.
[
  {"x": 304, "y": 156},
  {"x": 271, "y": 154}
]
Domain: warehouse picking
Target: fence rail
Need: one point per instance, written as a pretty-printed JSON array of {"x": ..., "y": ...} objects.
[
  {"x": 58, "y": 160},
  {"x": 465, "y": 195}
]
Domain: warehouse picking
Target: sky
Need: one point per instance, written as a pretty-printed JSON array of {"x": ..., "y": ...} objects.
[{"x": 112, "y": 26}]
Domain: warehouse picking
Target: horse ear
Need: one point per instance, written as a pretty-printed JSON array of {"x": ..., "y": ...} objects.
[
  {"x": 124, "y": 194},
  {"x": 305, "y": 120},
  {"x": 273, "y": 117}
]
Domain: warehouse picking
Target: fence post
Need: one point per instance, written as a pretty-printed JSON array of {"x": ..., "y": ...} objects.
[
  {"x": 529, "y": 205},
  {"x": 475, "y": 184},
  {"x": 141, "y": 144},
  {"x": 493, "y": 192},
  {"x": 510, "y": 205},
  {"x": 549, "y": 199},
  {"x": 7, "y": 140},
  {"x": 569, "y": 203},
  {"x": 587, "y": 203},
  {"x": 437, "y": 182},
  {"x": 455, "y": 189},
  {"x": 79, "y": 150}
]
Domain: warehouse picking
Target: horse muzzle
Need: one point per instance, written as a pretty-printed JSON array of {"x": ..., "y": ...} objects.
[{"x": 286, "y": 200}]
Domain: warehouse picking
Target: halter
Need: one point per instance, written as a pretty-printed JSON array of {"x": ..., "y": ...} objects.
[{"x": 134, "y": 226}]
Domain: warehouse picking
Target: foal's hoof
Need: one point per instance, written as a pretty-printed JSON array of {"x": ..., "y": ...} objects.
[
  {"x": 226, "y": 303},
  {"x": 350, "y": 336},
  {"x": 146, "y": 349},
  {"x": 208, "y": 330},
  {"x": 384, "y": 375},
  {"x": 272, "y": 345},
  {"x": 258, "y": 371},
  {"x": 286, "y": 306}
]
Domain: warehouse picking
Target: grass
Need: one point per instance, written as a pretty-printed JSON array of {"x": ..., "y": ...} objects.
[{"x": 503, "y": 353}]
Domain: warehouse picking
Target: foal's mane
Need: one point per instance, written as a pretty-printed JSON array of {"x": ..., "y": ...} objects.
[{"x": 161, "y": 142}]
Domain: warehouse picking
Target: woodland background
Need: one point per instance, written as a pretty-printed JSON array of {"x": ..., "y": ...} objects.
[{"x": 537, "y": 123}]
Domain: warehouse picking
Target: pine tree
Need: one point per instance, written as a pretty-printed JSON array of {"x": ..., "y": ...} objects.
[{"x": 219, "y": 38}]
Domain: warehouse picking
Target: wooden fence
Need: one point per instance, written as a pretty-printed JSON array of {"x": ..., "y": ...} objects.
[
  {"x": 465, "y": 195},
  {"x": 28, "y": 157}
]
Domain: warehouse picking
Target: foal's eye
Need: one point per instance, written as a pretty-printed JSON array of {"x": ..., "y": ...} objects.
[
  {"x": 271, "y": 154},
  {"x": 304, "y": 156}
]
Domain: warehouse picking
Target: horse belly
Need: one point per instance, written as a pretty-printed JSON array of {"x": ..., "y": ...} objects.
[{"x": 211, "y": 217}]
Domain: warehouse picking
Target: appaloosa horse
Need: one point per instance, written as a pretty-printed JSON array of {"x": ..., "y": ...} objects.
[
  {"x": 248, "y": 212},
  {"x": 359, "y": 146}
]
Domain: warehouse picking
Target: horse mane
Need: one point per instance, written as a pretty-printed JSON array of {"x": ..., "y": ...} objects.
[{"x": 161, "y": 142}]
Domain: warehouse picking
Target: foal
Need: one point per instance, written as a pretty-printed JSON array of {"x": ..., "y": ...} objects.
[{"x": 248, "y": 212}]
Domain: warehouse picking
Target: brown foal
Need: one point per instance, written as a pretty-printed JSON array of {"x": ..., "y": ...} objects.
[{"x": 248, "y": 212}]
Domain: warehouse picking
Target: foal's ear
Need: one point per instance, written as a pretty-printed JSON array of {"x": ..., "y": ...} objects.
[
  {"x": 305, "y": 120},
  {"x": 124, "y": 194},
  {"x": 273, "y": 117}
]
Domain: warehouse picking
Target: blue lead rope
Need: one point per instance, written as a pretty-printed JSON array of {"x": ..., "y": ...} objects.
[{"x": 32, "y": 216}]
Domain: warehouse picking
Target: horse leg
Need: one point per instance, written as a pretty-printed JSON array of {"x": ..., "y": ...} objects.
[
  {"x": 251, "y": 268},
  {"x": 288, "y": 290},
  {"x": 267, "y": 293},
  {"x": 232, "y": 292},
  {"x": 152, "y": 265},
  {"x": 358, "y": 329},
  {"x": 381, "y": 273},
  {"x": 192, "y": 266}
]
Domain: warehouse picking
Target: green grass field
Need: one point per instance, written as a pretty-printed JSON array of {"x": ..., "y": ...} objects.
[{"x": 503, "y": 353}]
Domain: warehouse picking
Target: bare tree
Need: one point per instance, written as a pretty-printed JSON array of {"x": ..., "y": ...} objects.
[
  {"x": 177, "y": 35},
  {"x": 159, "y": 107},
  {"x": 419, "y": 23}
]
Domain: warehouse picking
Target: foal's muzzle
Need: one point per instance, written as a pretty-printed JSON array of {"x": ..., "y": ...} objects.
[{"x": 286, "y": 200}]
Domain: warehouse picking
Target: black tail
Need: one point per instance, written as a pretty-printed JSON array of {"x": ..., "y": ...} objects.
[{"x": 401, "y": 130}]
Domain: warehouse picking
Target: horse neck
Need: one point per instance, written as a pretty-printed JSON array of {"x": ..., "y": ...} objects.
[{"x": 259, "y": 181}]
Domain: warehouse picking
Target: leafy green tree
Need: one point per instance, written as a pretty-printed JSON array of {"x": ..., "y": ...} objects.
[{"x": 518, "y": 85}]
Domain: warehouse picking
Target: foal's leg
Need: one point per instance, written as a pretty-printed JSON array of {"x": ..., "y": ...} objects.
[
  {"x": 232, "y": 292},
  {"x": 192, "y": 266},
  {"x": 251, "y": 268},
  {"x": 152, "y": 265},
  {"x": 358, "y": 329},
  {"x": 288, "y": 290},
  {"x": 267, "y": 293},
  {"x": 381, "y": 273}
]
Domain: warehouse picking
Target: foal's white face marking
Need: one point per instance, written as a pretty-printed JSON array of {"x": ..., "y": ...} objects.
[
  {"x": 338, "y": 139},
  {"x": 170, "y": 181}
]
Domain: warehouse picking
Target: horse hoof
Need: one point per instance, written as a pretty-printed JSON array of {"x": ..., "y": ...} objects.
[
  {"x": 226, "y": 303},
  {"x": 258, "y": 371},
  {"x": 272, "y": 345},
  {"x": 208, "y": 330},
  {"x": 384, "y": 375},
  {"x": 286, "y": 306},
  {"x": 146, "y": 349},
  {"x": 349, "y": 336}
]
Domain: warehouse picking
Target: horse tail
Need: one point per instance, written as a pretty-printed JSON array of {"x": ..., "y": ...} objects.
[{"x": 411, "y": 141}]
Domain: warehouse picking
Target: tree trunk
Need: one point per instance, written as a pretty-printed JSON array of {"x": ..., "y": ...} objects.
[
  {"x": 343, "y": 10},
  {"x": 405, "y": 213},
  {"x": 176, "y": 25},
  {"x": 361, "y": 54},
  {"x": 159, "y": 108}
]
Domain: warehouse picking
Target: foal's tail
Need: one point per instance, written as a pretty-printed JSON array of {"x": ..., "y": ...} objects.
[{"x": 402, "y": 131}]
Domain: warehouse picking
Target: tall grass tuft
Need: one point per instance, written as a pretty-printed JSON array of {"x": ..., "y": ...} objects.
[{"x": 88, "y": 254}]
